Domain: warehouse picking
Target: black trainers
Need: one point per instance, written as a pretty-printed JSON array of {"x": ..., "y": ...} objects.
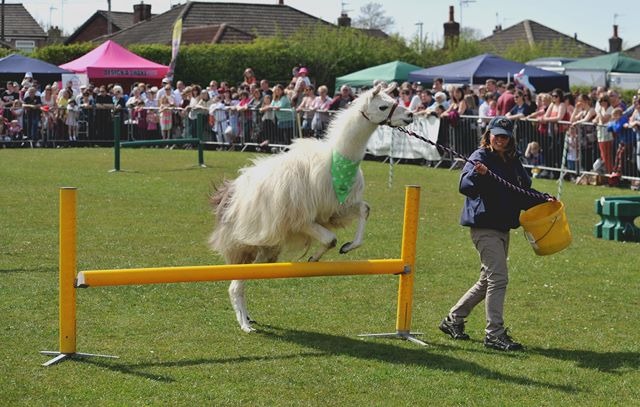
[
  {"x": 501, "y": 342},
  {"x": 455, "y": 330}
]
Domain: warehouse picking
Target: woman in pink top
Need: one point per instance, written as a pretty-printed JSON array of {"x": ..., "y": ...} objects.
[{"x": 555, "y": 113}]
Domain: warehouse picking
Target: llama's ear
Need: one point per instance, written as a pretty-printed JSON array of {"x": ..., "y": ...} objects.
[
  {"x": 377, "y": 89},
  {"x": 391, "y": 87}
]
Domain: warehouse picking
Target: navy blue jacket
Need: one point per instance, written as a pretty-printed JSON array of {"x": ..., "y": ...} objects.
[{"x": 489, "y": 204}]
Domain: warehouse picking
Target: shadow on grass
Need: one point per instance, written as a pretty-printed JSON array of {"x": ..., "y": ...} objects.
[
  {"x": 326, "y": 345},
  {"x": 357, "y": 348},
  {"x": 138, "y": 368},
  {"x": 30, "y": 270},
  {"x": 608, "y": 362}
]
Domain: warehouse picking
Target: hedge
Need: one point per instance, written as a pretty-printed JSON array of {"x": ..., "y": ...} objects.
[{"x": 326, "y": 51}]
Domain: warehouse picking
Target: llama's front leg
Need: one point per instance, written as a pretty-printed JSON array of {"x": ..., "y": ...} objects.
[
  {"x": 359, "y": 237},
  {"x": 327, "y": 239},
  {"x": 239, "y": 303}
]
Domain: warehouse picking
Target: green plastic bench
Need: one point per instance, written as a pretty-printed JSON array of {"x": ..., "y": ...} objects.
[{"x": 617, "y": 215}]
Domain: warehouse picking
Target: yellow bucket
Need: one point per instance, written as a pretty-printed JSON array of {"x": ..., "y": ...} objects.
[{"x": 546, "y": 227}]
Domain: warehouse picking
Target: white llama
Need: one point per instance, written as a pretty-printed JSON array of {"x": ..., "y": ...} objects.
[{"x": 296, "y": 197}]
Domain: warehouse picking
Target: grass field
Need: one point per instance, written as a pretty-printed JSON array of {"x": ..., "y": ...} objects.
[{"x": 576, "y": 312}]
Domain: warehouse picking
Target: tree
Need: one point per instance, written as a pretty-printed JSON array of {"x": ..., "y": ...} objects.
[
  {"x": 471, "y": 34},
  {"x": 373, "y": 16}
]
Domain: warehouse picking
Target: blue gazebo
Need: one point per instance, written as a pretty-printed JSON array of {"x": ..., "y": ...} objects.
[
  {"x": 478, "y": 69},
  {"x": 14, "y": 66}
]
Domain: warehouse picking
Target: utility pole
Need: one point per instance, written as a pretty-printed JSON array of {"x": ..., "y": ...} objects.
[
  {"x": 62, "y": 15},
  {"x": 109, "y": 17},
  {"x": 419, "y": 36},
  {"x": 2, "y": 22}
]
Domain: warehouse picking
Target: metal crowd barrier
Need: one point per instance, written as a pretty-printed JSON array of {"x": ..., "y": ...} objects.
[{"x": 564, "y": 149}]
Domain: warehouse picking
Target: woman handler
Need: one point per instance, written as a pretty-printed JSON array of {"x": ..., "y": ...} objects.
[{"x": 491, "y": 210}]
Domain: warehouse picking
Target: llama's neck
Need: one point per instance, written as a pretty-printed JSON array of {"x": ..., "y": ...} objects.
[{"x": 356, "y": 131}]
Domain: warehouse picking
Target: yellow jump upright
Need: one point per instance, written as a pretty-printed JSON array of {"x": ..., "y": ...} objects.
[
  {"x": 67, "y": 263},
  {"x": 404, "y": 267}
]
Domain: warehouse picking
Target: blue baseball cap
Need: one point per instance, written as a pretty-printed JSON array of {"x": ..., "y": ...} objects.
[{"x": 501, "y": 126}]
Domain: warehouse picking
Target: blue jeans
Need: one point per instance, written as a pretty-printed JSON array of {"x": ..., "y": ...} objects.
[{"x": 32, "y": 127}]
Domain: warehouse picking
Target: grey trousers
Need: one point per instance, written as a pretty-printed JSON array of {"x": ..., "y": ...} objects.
[{"x": 493, "y": 247}]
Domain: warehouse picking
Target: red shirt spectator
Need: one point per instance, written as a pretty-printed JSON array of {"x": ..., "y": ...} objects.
[{"x": 506, "y": 101}]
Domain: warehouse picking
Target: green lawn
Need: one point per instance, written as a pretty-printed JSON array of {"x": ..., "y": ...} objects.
[{"x": 576, "y": 312}]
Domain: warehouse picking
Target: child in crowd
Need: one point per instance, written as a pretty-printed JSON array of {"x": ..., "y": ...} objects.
[
  {"x": 269, "y": 126},
  {"x": 73, "y": 111},
  {"x": 165, "y": 112},
  {"x": 571, "y": 148},
  {"x": 15, "y": 130},
  {"x": 533, "y": 156},
  {"x": 218, "y": 111},
  {"x": 139, "y": 116},
  {"x": 3, "y": 129},
  {"x": 17, "y": 111},
  {"x": 152, "y": 123}
]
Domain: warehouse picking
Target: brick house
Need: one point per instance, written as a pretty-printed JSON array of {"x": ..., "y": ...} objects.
[
  {"x": 20, "y": 30},
  {"x": 98, "y": 24},
  {"x": 216, "y": 23}
]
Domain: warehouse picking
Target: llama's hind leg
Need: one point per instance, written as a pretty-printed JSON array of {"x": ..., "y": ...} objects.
[
  {"x": 359, "y": 237},
  {"x": 236, "y": 290},
  {"x": 264, "y": 255},
  {"x": 239, "y": 303},
  {"x": 327, "y": 239}
]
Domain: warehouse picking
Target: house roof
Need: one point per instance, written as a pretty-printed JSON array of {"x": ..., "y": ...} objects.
[
  {"x": 633, "y": 52},
  {"x": 18, "y": 22},
  {"x": 5, "y": 45},
  {"x": 531, "y": 32},
  {"x": 119, "y": 19},
  {"x": 240, "y": 18},
  {"x": 215, "y": 34}
]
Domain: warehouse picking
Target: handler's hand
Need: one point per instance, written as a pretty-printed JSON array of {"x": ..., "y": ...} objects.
[{"x": 480, "y": 168}]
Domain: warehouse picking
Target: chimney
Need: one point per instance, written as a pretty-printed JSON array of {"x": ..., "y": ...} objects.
[
  {"x": 615, "y": 42},
  {"x": 141, "y": 12},
  {"x": 451, "y": 31},
  {"x": 497, "y": 29},
  {"x": 344, "y": 20},
  {"x": 280, "y": 2}
]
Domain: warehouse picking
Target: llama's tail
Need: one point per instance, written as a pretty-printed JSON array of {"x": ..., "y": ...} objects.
[
  {"x": 221, "y": 239},
  {"x": 220, "y": 197}
]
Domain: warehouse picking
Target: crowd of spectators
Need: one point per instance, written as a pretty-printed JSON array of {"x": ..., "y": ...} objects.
[
  {"x": 258, "y": 111},
  {"x": 565, "y": 124}
]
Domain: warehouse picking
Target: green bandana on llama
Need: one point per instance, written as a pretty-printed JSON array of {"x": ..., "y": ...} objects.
[{"x": 343, "y": 175}]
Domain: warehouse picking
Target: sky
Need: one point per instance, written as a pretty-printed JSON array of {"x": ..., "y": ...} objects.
[{"x": 592, "y": 24}]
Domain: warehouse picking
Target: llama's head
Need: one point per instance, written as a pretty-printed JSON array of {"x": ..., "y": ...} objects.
[{"x": 380, "y": 108}]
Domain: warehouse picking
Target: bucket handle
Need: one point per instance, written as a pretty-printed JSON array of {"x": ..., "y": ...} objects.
[{"x": 543, "y": 236}]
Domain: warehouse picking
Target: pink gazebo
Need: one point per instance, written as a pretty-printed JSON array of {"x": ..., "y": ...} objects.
[{"x": 110, "y": 63}]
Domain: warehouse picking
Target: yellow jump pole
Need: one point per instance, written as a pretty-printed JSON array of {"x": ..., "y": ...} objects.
[
  {"x": 67, "y": 274},
  {"x": 184, "y": 274},
  {"x": 408, "y": 257}
]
